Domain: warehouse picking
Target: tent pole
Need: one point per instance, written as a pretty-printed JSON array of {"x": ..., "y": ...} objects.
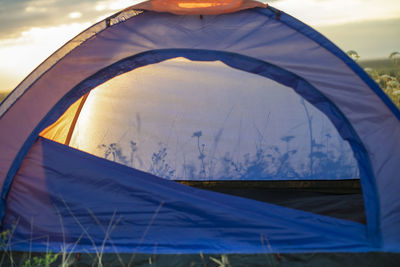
[{"x": 74, "y": 121}]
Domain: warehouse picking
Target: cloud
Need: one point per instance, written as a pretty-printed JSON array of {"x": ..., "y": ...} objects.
[
  {"x": 114, "y": 4},
  {"x": 17, "y": 16},
  {"x": 75, "y": 15},
  {"x": 19, "y": 56},
  {"x": 31, "y": 30},
  {"x": 327, "y": 12}
]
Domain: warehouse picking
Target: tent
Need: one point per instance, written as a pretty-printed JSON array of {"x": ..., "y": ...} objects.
[{"x": 152, "y": 131}]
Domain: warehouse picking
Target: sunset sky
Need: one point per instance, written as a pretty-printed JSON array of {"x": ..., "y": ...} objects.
[{"x": 31, "y": 30}]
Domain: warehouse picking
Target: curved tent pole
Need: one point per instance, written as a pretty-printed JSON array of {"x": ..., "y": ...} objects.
[{"x": 75, "y": 120}]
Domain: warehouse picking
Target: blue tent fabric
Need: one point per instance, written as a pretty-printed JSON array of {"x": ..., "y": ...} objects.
[
  {"x": 65, "y": 199},
  {"x": 42, "y": 180},
  {"x": 265, "y": 69}
]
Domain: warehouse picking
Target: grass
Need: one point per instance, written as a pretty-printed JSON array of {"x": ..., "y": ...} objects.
[
  {"x": 386, "y": 73},
  {"x": 184, "y": 260},
  {"x": 380, "y": 65},
  {"x": 68, "y": 259}
]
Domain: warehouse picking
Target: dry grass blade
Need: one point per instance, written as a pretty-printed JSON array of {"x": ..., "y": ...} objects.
[{"x": 145, "y": 232}]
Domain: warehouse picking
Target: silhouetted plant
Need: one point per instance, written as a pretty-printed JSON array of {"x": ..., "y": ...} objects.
[
  {"x": 159, "y": 165},
  {"x": 324, "y": 160},
  {"x": 189, "y": 171},
  {"x": 330, "y": 165},
  {"x": 115, "y": 151},
  {"x": 310, "y": 132},
  {"x": 202, "y": 155},
  {"x": 134, "y": 155}
]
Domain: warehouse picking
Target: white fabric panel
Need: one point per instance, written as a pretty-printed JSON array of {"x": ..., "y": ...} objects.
[{"x": 205, "y": 121}]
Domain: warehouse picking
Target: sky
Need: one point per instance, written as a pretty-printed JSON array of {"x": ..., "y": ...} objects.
[{"x": 31, "y": 30}]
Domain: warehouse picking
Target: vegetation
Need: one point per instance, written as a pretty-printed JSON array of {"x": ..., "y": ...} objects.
[
  {"x": 44, "y": 261},
  {"x": 386, "y": 74}
]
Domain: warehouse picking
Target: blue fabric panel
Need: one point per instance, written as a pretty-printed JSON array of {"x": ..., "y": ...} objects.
[{"x": 65, "y": 199}]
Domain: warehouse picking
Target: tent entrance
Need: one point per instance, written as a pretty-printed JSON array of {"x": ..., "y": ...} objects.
[{"x": 218, "y": 128}]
